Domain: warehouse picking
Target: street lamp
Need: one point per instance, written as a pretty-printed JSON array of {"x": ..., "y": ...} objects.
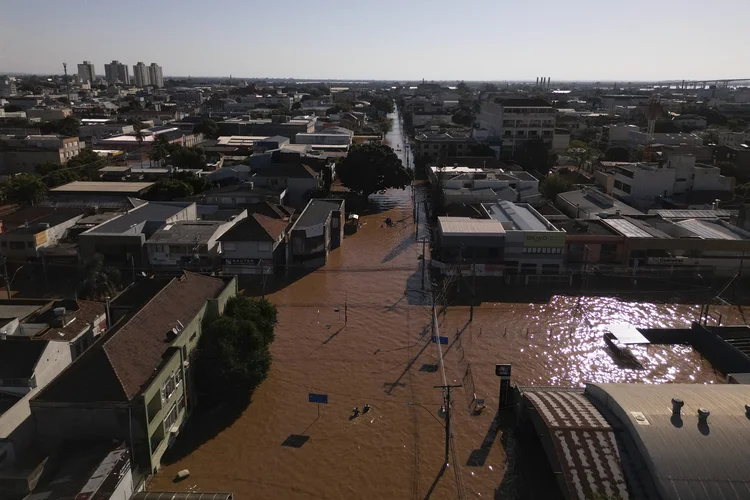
[{"x": 9, "y": 282}]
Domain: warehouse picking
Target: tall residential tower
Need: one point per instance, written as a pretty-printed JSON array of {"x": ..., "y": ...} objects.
[
  {"x": 141, "y": 75},
  {"x": 86, "y": 72},
  {"x": 117, "y": 72},
  {"x": 155, "y": 75}
]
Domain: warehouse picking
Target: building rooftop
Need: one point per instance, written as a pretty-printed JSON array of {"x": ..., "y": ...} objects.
[
  {"x": 687, "y": 459},
  {"x": 288, "y": 170},
  {"x": 37, "y": 215},
  {"x": 119, "y": 366},
  {"x": 130, "y": 188},
  {"x": 590, "y": 202},
  {"x": 18, "y": 357},
  {"x": 186, "y": 232},
  {"x": 316, "y": 212},
  {"x": 256, "y": 227},
  {"x": 633, "y": 228},
  {"x": 135, "y": 219},
  {"x": 457, "y": 226},
  {"x": 80, "y": 315},
  {"x": 712, "y": 230},
  {"x": 525, "y": 103},
  {"x": 520, "y": 215}
]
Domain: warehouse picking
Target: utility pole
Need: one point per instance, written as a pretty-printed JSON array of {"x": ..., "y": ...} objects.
[
  {"x": 416, "y": 225},
  {"x": 67, "y": 85},
  {"x": 5, "y": 275},
  {"x": 447, "y": 389},
  {"x": 473, "y": 288},
  {"x": 424, "y": 258}
]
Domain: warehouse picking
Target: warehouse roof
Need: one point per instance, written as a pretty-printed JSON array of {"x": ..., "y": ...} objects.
[
  {"x": 456, "y": 226},
  {"x": 103, "y": 187}
]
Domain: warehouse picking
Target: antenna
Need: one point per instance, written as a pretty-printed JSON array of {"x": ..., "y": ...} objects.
[{"x": 67, "y": 85}]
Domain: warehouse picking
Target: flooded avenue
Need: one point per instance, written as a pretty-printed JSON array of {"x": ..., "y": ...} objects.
[{"x": 352, "y": 330}]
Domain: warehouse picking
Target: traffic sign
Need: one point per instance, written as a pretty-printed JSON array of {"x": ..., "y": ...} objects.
[
  {"x": 443, "y": 340},
  {"x": 318, "y": 398},
  {"x": 502, "y": 370}
]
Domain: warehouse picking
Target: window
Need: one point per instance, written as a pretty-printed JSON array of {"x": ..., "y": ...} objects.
[
  {"x": 4, "y": 244},
  {"x": 618, "y": 185},
  {"x": 17, "y": 245},
  {"x": 29, "y": 244},
  {"x": 434, "y": 146},
  {"x": 626, "y": 187},
  {"x": 171, "y": 417},
  {"x": 175, "y": 249}
]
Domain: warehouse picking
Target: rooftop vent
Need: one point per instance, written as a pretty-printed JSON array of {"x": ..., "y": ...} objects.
[
  {"x": 677, "y": 405},
  {"x": 703, "y": 415}
]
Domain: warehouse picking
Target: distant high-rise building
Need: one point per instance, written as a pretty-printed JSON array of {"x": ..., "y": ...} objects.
[
  {"x": 155, "y": 75},
  {"x": 141, "y": 75},
  {"x": 117, "y": 72},
  {"x": 86, "y": 72}
]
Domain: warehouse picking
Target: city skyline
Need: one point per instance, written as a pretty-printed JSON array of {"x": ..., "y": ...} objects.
[{"x": 578, "y": 41}]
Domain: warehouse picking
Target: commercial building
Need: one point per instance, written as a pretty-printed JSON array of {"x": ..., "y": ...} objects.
[
  {"x": 644, "y": 183},
  {"x": 612, "y": 101},
  {"x": 117, "y": 72},
  {"x": 122, "y": 239},
  {"x": 155, "y": 75},
  {"x": 141, "y": 76},
  {"x": 21, "y": 154},
  {"x": 277, "y": 125},
  {"x": 192, "y": 244},
  {"x": 514, "y": 122},
  {"x": 48, "y": 114},
  {"x": 510, "y": 239},
  {"x": 242, "y": 195},
  {"x": 483, "y": 185},
  {"x": 86, "y": 72},
  {"x": 587, "y": 203},
  {"x": 298, "y": 180},
  {"x": 255, "y": 245},
  {"x": 25, "y": 242},
  {"x": 319, "y": 229},
  {"x": 434, "y": 145},
  {"x": 101, "y": 128},
  {"x": 329, "y": 136},
  {"x": 137, "y": 383},
  {"x": 668, "y": 441}
]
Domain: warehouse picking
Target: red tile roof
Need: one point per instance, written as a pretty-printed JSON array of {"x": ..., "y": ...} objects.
[{"x": 120, "y": 366}]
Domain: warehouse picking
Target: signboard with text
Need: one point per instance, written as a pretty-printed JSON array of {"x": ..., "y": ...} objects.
[{"x": 544, "y": 239}]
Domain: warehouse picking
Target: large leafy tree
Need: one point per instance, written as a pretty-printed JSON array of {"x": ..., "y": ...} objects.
[
  {"x": 24, "y": 189},
  {"x": 234, "y": 355},
  {"x": 371, "y": 167},
  {"x": 188, "y": 158},
  {"x": 553, "y": 185},
  {"x": 209, "y": 128},
  {"x": 535, "y": 155},
  {"x": 617, "y": 153},
  {"x": 98, "y": 279},
  {"x": 384, "y": 104},
  {"x": 68, "y": 126},
  {"x": 169, "y": 189}
]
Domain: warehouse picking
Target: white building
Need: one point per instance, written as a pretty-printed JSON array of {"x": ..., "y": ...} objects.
[
  {"x": 141, "y": 75},
  {"x": 517, "y": 121},
  {"x": 680, "y": 175},
  {"x": 117, "y": 72},
  {"x": 86, "y": 72},
  {"x": 484, "y": 185},
  {"x": 155, "y": 75}
]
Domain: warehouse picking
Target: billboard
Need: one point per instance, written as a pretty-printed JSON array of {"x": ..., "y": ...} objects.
[{"x": 544, "y": 239}]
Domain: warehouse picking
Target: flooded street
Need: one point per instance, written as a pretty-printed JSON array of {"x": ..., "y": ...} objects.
[{"x": 358, "y": 330}]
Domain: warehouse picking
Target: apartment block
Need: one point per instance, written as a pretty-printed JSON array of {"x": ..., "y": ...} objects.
[
  {"x": 141, "y": 76},
  {"x": 514, "y": 122},
  {"x": 155, "y": 75},
  {"x": 21, "y": 154},
  {"x": 116, "y": 72},
  {"x": 86, "y": 72}
]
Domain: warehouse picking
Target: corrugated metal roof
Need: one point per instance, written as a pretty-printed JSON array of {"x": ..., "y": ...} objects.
[
  {"x": 584, "y": 442},
  {"x": 626, "y": 228},
  {"x": 708, "y": 230},
  {"x": 453, "y": 226},
  {"x": 687, "y": 459},
  {"x": 691, "y": 214}
]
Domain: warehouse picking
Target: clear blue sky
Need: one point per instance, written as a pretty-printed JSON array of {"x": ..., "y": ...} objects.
[{"x": 385, "y": 39}]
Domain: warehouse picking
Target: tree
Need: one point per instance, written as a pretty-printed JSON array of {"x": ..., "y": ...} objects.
[
  {"x": 234, "y": 355},
  {"x": 98, "y": 279},
  {"x": 139, "y": 137},
  {"x": 617, "y": 153},
  {"x": 385, "y": 125},
  {"x": 296, "y": 106},
  {"x": 490, "y": 87},
  {"x": 192, "y": 158},
  {"x": 369, "y": 168},
  {"x": 579, "y": 151},
  {"x": 209, "y": 128},
  {"x": 383, "y": 104},
  {"x": 553, "y": 185},
  {"x": 463, "y": 89},
  {"x": 463, "y": 116},
  {"x": 68, "y": 126},
  {"x": 482, "y": 150},
  {"x": 198, "y": 184},
  {"x": 24, "y": 189},
  {"x": 169, "y": 189}
]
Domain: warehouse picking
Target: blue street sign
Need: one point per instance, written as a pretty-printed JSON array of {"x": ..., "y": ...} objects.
[
  {"x": 443, "y": 340},
  {"x": 318, "y": 398}
]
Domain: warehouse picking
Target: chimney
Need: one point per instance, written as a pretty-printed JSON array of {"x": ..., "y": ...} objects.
[
  {"x": 703, "y": 416},
  {"x": 677, "y": 405}
]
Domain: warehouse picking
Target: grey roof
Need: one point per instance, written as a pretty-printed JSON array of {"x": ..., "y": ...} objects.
[
  {"x": 135, "y": 218},
  {"x": 594, "y": 203},
  {"x": 317, "y": 212},
  {"x": 521, "y": 217},
  {"x": 687, "y": 459},
  {"x": 186, "y": 231}
]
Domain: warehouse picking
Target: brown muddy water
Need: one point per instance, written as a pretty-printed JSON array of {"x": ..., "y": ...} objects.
[{"x": 382, "y": 355}]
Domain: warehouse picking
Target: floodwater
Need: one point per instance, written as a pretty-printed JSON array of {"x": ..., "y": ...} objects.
[{"x": 358, "y": 330}]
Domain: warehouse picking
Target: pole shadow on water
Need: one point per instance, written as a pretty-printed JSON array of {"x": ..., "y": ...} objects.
[
  {"x": 435, "y": 482},
  {"x": 332, "y": 335},
  {"x": 206, "y": 422},
  {"x": 392, "y": 385},
  {"x": 403, "y": 245}
]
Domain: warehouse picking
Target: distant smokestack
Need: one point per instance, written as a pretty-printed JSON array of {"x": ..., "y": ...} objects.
[
  {"x": 547, "y": 81},
  {"x": 537, "y": 81}
]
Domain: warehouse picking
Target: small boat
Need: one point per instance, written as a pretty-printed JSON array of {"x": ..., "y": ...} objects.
[{"x": 621, "y": 351}]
